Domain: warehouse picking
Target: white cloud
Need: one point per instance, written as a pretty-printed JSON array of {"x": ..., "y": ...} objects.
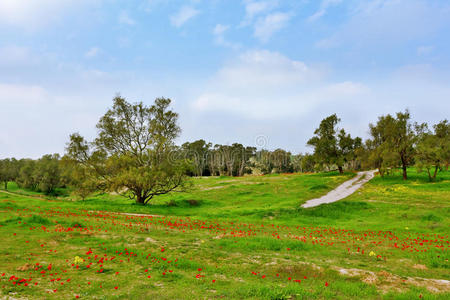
[
  {"x": 124, "y": 18},
  {"x": 268, "y": 85},
  {"x": 33, "y": 14},
  {"x": 220, "y": 29},
  {"x": 94, "y": 51},
  {"x": 150, "y": 5},
  {"x": 183, "y": 15},
  {"x": 255, "y": 8},
  {"x": 266, "y": 26},
  {"x": 383, "y": 21},
  {"x": 23, "y": 94},
  {"x": 219, "y": 38},
  {"x": 324, "y": 5}
]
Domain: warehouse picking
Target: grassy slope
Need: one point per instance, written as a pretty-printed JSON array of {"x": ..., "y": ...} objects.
[{"x": 250, "y": 225}]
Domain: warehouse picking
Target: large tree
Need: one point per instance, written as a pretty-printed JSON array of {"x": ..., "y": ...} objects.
[
  {"x": 393, "y": 139},
  {"x": 433, "y": 148},
  {"x": 133, "y": 153},
  {"x": 331, "y": 145}
]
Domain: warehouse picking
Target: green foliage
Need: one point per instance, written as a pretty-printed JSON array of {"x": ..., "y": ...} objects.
[
  {"x": 433, "y": 148},
  {"x": 333, "y": 146},
  {"x": 392, "y": 142},
  {"x": 133, "y": 153},
  {"x": 42, "y": 175},
  {"x": 9, "y": 170}
]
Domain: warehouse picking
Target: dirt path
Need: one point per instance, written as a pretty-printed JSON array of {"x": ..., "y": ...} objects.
[{"x": 342, "y": 191}]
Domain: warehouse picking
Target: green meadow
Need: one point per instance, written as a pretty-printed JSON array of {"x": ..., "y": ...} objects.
[{"x": 232, "y": 237}]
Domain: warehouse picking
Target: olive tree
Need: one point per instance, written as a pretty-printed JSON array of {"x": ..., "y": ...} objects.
[
  {"x": 331, "y": 145},
  {"x": 133, "y": 153}
]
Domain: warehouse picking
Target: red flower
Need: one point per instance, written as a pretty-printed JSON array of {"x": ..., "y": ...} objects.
[{"x": 326, "y": 283}]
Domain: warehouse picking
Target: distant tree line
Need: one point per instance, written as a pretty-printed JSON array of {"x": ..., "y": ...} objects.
[{"x": 135, "y": 155}]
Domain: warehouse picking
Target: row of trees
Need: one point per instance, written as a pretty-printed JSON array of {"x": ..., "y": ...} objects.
[
  {"x": 134, "y": 154},
  {"x": 42, "y": 175},
  {"x": 238, "y": 160},
  {"x": 396, "y": 142}
]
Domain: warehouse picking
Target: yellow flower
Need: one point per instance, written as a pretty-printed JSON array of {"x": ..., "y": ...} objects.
[
  {"x": 77, "y": 260},
  {"x": 407, "y": 228},
  {"x": 372, "y": 253}
]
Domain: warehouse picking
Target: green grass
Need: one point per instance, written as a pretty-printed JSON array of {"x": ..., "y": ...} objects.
[{"x": 248, "y": 234}]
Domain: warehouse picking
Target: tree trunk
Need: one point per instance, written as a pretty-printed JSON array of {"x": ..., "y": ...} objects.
[
  {"x": 405, "y": 175},
  {"x": 140, "y": 199},
  {"x": 6, "y": 185},
  {"x": 340, "y": 170},
  {"x": 430, "y": 178},
  {"x": 435, "y": 172}
]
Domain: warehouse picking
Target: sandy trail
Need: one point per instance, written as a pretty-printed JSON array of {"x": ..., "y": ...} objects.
[{"x": 342, "y": 191}]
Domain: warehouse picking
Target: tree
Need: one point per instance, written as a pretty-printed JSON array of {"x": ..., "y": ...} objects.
[
  {"x": 197, "y": 152},
  {"x": 433, "y": 148},
  {"x": 47, "y": 173},
  {"x": 263, "y": 163},
  {"x": 27, "y": 175},
  {"x": 333, "y": 146},
  {"x": 393, "y": 140},
  {"x": 442, "y": 132},
  {"x": 281, "y": 161},
  {"x": 133, "y": 152},
  {"x": 9, "y": 171},
  {"x": 308, "y": 163}
]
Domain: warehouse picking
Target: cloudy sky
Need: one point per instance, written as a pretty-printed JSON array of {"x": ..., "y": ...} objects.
[{"x": 255, "y": 72}]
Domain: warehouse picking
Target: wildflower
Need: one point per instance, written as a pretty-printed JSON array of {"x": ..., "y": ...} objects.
[
  {"x": 372, "y": 253},
  {"x": 77, "y": 260}
]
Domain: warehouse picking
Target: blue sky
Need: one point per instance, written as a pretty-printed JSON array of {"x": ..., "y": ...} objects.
[{"x": 255, "y": 72}]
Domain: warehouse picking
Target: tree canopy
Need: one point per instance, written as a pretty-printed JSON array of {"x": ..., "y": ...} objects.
[
  {"x": 333, "y": 146},
  {"x": 133, "y": 152}
]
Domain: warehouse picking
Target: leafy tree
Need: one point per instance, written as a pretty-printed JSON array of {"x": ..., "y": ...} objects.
[
  {"x": 27, "y": 176},
  {"x": 197, "y": 152},
  {"x": 281, "y": 161},
  {"x": 263, "y": 163},
  {"x": 308, "y": 163},
  {"x": 47, "y": 173},
  {"x": 442, "y": 132},
  {"x": 393, "y": 139},
  {"x": 9, "y": 171},
  {"x": 133, "y": 153},
  {"x": 333, "y": 146},
  {"x": 433, "y": 148}
]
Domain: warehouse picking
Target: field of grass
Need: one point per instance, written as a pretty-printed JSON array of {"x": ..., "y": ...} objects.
[{"x": 232, "y": 238}]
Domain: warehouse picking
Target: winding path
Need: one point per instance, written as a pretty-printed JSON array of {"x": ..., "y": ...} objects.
[{"x": 342, "y": 191}]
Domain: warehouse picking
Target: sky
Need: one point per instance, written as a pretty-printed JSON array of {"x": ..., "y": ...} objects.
[{"x": 259, "y": 72}]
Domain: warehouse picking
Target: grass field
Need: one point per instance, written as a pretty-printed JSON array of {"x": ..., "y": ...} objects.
[{"x": 232, "y": 238}]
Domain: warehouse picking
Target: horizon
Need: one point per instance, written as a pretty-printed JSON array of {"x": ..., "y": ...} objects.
[{"x": 236, "y": 71}]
